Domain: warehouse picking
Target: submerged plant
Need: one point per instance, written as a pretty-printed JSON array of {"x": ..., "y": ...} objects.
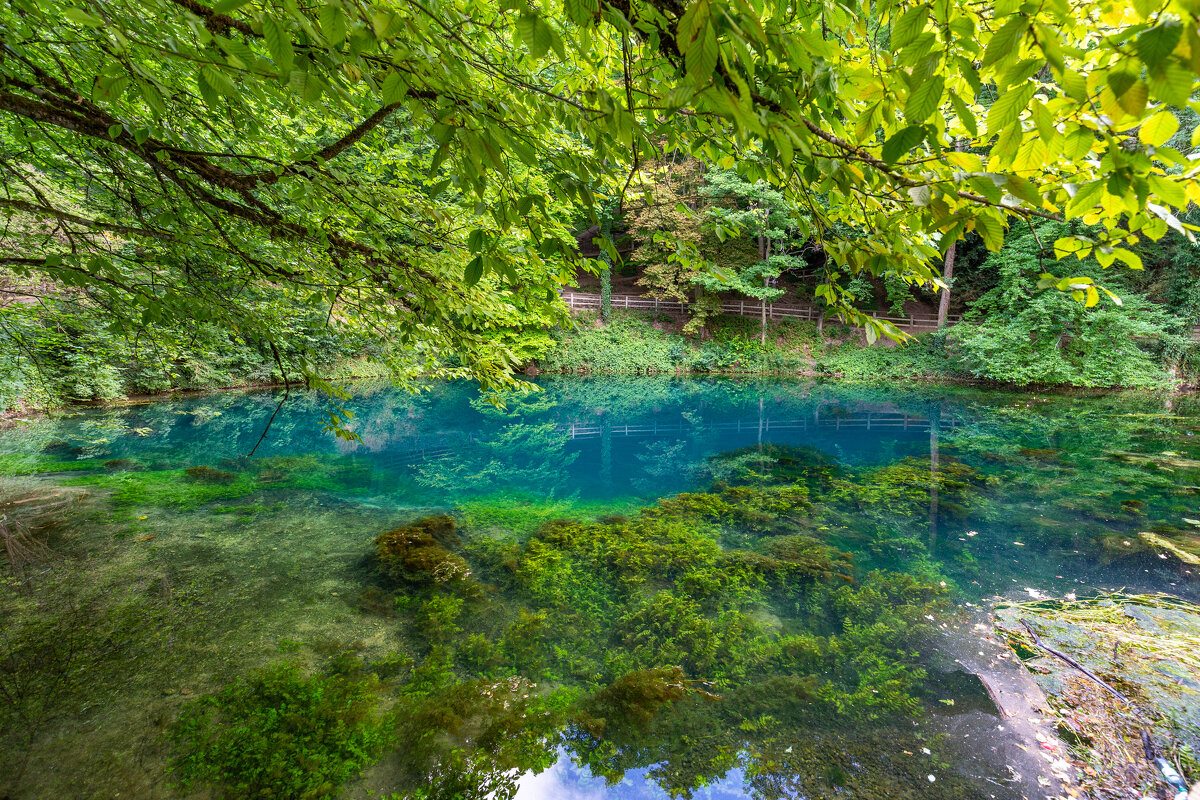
[
  {"x": 206, "y": 474},
  {"x": 418, "y": 552},
  {"x": 279, "y": 734}
]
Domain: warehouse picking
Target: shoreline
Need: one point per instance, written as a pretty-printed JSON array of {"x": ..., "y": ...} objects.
[{"x": 13, "y": 417}]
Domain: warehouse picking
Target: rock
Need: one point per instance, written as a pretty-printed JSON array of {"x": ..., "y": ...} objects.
[{"x": 1145, "y": 646}]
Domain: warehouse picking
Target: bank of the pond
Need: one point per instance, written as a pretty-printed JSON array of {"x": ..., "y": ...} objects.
[
  {"x": 38, "y": 402},
  {"x": 646, "y": 343}
]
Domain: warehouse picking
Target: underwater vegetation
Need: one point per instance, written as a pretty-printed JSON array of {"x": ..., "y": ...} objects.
[
  {"x": 687, "y": 635},
  {"x": 135, "y": 485},
  {"x": 418, "y": 552},
  {"x": 317, "y": 624},
  {"x": 280, "y": 734}
]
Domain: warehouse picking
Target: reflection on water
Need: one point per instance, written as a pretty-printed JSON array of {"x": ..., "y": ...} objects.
[
  {"x": 645, "y": 588},
  {"x": 566, "y": 781}
]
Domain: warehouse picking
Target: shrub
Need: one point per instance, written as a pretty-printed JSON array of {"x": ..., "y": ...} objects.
[
  {"x": 628, "y": 344},
  {"x": 1027, "y": 336}
]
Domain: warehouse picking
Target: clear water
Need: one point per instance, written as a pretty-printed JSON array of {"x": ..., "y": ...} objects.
[{"x": 187, "y": 583}]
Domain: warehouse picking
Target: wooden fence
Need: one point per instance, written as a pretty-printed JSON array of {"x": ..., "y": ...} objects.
[
  {"x": 743, "y": 308},
  {"x": 753, "y": 308}
]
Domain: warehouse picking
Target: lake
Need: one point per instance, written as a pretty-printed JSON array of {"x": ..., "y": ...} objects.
[{"x": 633, "y": 588}]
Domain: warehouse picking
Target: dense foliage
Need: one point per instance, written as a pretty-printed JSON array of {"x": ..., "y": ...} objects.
[
  {"x": 1024, "y": 335},
  {"x": 413, "y": 173}
]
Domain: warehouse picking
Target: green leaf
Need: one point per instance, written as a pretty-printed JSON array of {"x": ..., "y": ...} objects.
[
  {"x": 307, "y": 85},
  {"x": 219, "y": 81},
  {"x": 1024, "y": 189},
  {"x": 1131, "y": 259},
  {"x": 1159, "y": 129},
  {"x": 1155, "y": 45},
  {"x": 965, "y": 115},
  {"x": 1008, "y": 108},
  {"x": 924, "y": 100},
  {"x": 394, "y": 88},
  {"x": 701, "y": 57},
  {"x": 908, "y": 26},
  {"x": 991, "y": 229},
  {"x": 386, "y": 24},
  {"x": 1005, "y": 42},
  {"x": 1134, "y": 99},
  {"x": 1168, "y": 190},
  {"x": 1071, "y": 246},
  {"x": 473, "y": 271},
  {"x": 279, "y": 45},
  {"x": 1120, "y": 81},
  {"x": 333, "y": 23},
  {"x": 1085, "y": 199},
  {"x": 1172, "y": 84},
  {"x": 81, "y": 17},
  {"x": 1074, "y": 84},
  {"x": 901, "y": 142},
  {"x": 115, "y": 130}
]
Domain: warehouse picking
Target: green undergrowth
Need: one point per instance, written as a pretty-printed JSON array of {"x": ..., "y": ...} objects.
[
  {"x": 638, "y": 343},
  {"x": 1108, "y": 347},
  {"x": 133, "y": 486}
]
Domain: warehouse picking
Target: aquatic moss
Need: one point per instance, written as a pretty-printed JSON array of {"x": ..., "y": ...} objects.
[
  {"x": 165, "y": 488},
  {"x": 206, "y": 474},
  {"x": 418, "y": 552},
  {"x": 281, "y": 734}
]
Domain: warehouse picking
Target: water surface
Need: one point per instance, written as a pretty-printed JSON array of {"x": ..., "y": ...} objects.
[{"x": 653, "y": 587}]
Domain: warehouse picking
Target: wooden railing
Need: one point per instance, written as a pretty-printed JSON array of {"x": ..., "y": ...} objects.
[
  {"x": 743, "y": 308},
  {"x": 754, "y": 308},
  {"x": 867, "y": 421}
]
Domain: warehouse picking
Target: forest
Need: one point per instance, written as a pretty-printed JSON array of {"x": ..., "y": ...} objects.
[{"x": 247, "y": 193}]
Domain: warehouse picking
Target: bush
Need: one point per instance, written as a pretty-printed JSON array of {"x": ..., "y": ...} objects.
[
  {"x": 1024, "y": 335},
  {"x": 628, "y": 344}
]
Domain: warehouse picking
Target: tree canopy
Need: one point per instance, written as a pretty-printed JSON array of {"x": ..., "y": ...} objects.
[{"x": 414, "y": 169}]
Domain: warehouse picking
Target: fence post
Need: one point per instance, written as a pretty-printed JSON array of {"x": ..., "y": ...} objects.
[{"x": 626, "y": 302}]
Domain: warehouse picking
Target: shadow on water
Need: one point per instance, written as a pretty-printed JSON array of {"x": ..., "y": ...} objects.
[{"x": 643, "y": 588}]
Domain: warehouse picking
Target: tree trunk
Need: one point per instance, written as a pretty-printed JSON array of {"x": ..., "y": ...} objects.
[
  {"x": 764, "y": 249},
  {"x": 948, "y": 268},
  {"x": 606, "y": 270},
  {"x": 947, "y": 277}
]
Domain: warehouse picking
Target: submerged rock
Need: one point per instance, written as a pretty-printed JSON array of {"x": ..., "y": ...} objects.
[
  {"x": 206, "y": 474},
  {"x": 418, "y": 552},
  {"x": 1145, "y": 648}
]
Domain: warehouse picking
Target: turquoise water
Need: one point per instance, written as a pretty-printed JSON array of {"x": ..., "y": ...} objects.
[{"x": 756, "y": 585}]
